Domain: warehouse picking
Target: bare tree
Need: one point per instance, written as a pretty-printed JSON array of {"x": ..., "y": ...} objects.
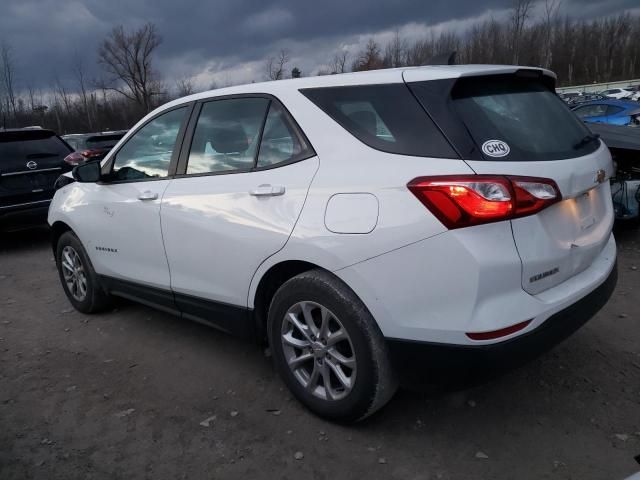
[
  {"x": 184, "y": 87},
  {"x": 396, "y": 52},
  {"x": 7, "y": 70},
  {"x": 519, "y": 15},
  {"x": 276, "y": 67},
  {"x": 339, "y": 62},
  {"x": 369, "y": 58},
  {"x": 81, "y": 83},
  {"x": 551, "y": 8},
  {"x": 126, "y": 56}
]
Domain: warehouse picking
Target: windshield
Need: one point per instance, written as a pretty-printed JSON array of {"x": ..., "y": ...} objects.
[{"x": 523, "y": 115}]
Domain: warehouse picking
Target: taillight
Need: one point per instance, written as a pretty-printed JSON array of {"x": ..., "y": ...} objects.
[
  {"x": 91, "y": 153},
  {"x": 464, "y": 200},
  {"x": 74, "y": 158}
]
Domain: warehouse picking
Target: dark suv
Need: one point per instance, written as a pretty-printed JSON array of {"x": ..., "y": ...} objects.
[{"x": 31, "y": 159}]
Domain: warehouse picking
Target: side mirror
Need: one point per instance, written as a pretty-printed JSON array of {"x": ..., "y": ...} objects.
[{"x": 87, "y": 172}]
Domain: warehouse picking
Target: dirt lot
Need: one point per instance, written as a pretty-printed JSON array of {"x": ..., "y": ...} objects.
[{"x": 124, "y": 395}]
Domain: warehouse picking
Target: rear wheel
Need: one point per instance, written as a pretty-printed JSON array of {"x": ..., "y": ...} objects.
[
  {"x": 79, "y": 279},
  {"x": 328, "y": 348}
]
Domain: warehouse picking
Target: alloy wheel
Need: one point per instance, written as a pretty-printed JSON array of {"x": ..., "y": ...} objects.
[
  {"x": 319, "y": 351},
  {"x": 74, "y": 273}
]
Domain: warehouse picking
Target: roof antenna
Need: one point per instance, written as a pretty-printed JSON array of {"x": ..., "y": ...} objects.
[{"x": 443, "y": 59}]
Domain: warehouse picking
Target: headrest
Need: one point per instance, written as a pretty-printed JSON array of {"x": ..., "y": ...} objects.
[
  {"x": 228, "y": 139},
  {"x": 366, "y": 120}
]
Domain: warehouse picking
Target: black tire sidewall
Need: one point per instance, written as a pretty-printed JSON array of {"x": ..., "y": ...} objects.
[{"x": 353, "y": 315}]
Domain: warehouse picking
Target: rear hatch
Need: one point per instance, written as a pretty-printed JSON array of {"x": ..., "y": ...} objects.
[
  {"x": 514, "y": 124},
  {"x": 30, "y": 163}
]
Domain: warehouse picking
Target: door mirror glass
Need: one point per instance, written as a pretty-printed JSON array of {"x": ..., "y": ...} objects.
[{"x": 87, "y": 172}]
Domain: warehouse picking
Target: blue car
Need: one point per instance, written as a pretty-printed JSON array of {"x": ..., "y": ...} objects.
[{"x": 613, "y": 112}]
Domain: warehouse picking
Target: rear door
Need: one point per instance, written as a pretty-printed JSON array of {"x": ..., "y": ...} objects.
[
  {"x": 30, "y": 163},
  {"x": 540, "y": 137},
  {"x": 242, "y": 181}
]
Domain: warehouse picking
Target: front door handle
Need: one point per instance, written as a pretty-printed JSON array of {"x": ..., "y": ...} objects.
[
  {"x": 267, "y": 190},
  {"x": 148, "y": 195}
]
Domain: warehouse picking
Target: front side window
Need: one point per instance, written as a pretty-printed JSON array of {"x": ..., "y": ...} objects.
[
  {"x": 591, "y": 111},
  {"x": 147, "y": 154},
  {"x": 226, "y": 135}
]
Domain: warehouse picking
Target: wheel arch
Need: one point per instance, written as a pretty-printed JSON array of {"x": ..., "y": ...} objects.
[
  {"x": 57, "y": 230},
  {"x": 269, "y": 283}
]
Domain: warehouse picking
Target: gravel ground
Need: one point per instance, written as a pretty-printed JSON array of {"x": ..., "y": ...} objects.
[{"x": 134, "y": 393}]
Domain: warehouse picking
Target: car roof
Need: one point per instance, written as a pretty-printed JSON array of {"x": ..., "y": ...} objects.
[{"x": 372, "y": 77}]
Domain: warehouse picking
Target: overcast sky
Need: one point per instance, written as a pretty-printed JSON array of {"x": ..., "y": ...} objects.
[{"x": 228, "y": 41}]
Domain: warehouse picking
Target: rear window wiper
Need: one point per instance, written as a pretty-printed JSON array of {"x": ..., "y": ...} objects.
[{"x": 586, "y": 140}]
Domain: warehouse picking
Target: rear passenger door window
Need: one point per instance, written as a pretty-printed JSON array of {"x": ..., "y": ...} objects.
[
  {"x": 227, "y": 135},
  {"x": 244, "y": 134}
]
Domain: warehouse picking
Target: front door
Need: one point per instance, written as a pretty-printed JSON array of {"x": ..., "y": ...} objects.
[{"x": 123, "y": 215}]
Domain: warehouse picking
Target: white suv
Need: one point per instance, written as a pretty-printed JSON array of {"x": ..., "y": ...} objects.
[{"x": 369, "y": 226}]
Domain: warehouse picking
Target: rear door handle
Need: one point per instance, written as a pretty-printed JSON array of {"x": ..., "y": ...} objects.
[
  {"x": 148, "y": 195},
  {"x": 267, "y": 190}
]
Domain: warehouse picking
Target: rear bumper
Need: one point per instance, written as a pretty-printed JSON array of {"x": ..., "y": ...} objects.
[{"x": 428, "y": 362}]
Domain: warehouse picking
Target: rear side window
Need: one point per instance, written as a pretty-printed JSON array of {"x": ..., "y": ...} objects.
[
  {"x": 522, "y": 113},
  {"x": 31, "y": 146},
  {"x": 612, "y": 110},
  {"x": 281, "y": 142},
  {"x": 385, "y": 117}
]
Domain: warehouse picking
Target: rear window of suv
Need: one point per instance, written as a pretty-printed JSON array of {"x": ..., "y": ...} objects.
[
  {"x": 522, "y": 113},
  {"x": 31, "y": 145},
  {"x": 386, "y": 117}
]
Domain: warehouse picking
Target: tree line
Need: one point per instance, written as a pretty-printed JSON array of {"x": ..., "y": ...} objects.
[{"x": 579, "y": 51}]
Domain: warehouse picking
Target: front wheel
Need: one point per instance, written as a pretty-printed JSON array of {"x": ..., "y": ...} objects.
[
  {"x": 328, "y": 348},
  {"x": 79, "y": 279}
]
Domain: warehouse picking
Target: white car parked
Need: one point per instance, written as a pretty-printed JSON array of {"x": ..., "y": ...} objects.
[
  {"x": 369, "y": 226},
  {"x": 618, "y": 93}
]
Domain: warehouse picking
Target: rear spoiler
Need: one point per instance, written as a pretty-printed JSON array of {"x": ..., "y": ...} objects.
[
  {"x": 16, "y": 135},
  {"x": 443, "y": 59},
  {"x": 420, "y": 74}
]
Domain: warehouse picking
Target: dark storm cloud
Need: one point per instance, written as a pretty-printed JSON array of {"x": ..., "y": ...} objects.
[{"x": 46, "y": 35}]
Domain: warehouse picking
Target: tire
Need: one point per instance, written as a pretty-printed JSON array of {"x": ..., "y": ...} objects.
[
  {"x": 92, "y": 297},
  {"x": 367, "y": 385}
]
